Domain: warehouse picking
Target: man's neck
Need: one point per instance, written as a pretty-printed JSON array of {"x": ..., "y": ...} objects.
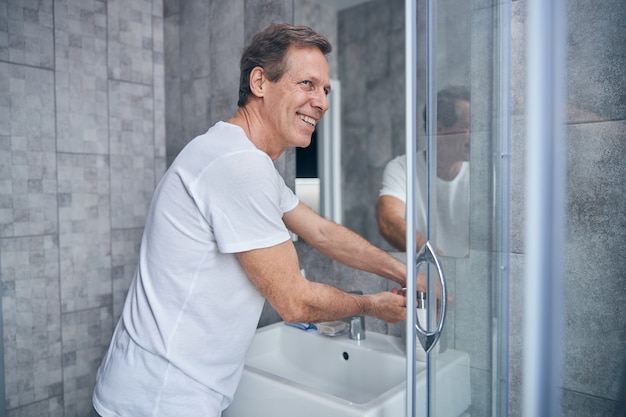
[
  {"x": 447, "y": 170},
  {"x": 252, "y": 126}
]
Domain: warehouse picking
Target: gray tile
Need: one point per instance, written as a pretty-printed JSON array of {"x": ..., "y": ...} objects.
[
  {"x": 481, "y": 191},
  {"x": 158, "y": 8},
  {"x": 323, "y": 19},
  {"x": 594, "y": 272},
  {"x": 171, "y": 46},
  {"x": 173, "y": 120},
  {"x": 31, "y": 323},
  {"x": 258, "y": 14},
  {"x": 227, "y": 42},
  {"x": 125, "y": 245},
  {"x": 195, "y": 108},
  {"x": 86, "y": 336},
  {"x": 158, "y": 83},
  {"x": 518, "y": 58},
  {"x": 481, "y": 385},
  {"x": 472, "y": 304},
  {"x": 171, "y": 7},
  {"x": 81, "y": 76},
  {"x": 194, "y": 30},
  {"x": 84, "y": 231},
  {"x": 576, "y": 404},
  {"x": 26, "y": 35},
  {"x": 52, "y": 407},
  {"x": 596, "y": 175},
  {"x": 28, "y": 182},
  {"x": 131, "y": 127},
  {"x": 516, "y": 338},
  {"x": 596, "y": 63},
  {"x": 518, "y": 185},
  {"x": 130, "y": 34},
  {"x": 482, "y": 80}
]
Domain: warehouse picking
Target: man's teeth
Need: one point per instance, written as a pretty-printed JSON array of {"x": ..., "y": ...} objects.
[{"x": 308, "y": 119}]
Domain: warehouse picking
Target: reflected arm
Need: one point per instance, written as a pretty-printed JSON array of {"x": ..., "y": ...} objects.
[{"x": 390, "y": 213}]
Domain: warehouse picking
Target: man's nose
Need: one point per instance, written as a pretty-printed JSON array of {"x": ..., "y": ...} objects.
[{"x": 320, "y": 100}]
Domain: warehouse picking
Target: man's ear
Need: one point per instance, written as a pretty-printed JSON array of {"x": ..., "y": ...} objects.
[{"x": 258, "y": 81}]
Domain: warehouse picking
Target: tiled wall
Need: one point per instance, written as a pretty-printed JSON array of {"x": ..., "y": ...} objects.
[
  {"x": 595, "y": 268},
  {"x": 82, "y": 144}
]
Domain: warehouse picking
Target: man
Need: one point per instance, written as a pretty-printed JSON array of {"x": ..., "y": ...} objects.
[
  {"x": 450, "y": 220},
  {"x": 216, "y": 244}
]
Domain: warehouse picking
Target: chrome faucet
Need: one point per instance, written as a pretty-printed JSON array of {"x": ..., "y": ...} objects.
[
  {"x": 357, "y": 328},
  {"x": 357, "y": 324}
]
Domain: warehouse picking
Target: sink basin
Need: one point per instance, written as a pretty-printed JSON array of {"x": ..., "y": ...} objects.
[{"x": 292, "y": 372}]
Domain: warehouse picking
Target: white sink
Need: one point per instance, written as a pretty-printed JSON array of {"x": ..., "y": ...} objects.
[{"x": 291, "y": 372}]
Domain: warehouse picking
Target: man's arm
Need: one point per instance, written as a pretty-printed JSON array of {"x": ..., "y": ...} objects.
[
  {"x": 343, "y": 245},
  {"x": 275, "y": 272},
  {"x": 390, "y": 213}
]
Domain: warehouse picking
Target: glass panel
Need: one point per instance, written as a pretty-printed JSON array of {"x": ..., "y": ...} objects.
[
  {"x": 467, "y": 369},
  {"x": 469, "y": 202}
]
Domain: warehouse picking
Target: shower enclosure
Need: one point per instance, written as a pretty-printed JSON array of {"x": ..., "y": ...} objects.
[
  {"x": 481, "y": 279},
  {"x": 468, "y": 45}
]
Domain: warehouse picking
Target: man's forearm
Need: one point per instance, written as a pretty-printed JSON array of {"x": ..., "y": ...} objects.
[{"x": 351, "y": 249}]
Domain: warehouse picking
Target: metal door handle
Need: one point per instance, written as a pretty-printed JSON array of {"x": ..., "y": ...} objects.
[{"x": 426, "y": 338}]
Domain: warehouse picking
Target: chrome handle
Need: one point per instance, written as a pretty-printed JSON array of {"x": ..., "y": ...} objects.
[{"x": 426, "y": 338}]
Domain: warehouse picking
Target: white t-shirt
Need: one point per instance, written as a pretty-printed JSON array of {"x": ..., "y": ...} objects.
[
  {"x": 191, "y": 311},
  {"x": 450, "y": 225}
]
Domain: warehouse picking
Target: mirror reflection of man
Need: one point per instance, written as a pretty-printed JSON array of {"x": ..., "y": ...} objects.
[{"x": 451, "y": 216}]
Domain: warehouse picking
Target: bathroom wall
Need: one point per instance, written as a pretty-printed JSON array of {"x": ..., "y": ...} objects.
[
  {"x": 595, "y": 266},
  {"x": 82, "y": 144}
]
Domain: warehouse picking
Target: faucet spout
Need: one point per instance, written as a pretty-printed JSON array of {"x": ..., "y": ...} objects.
[
  {"x": 357, "y": 323},
  {"x": 357, "y": 328}
]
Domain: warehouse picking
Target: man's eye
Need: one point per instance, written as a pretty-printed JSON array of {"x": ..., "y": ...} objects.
[{"x": 307, "y": 83}]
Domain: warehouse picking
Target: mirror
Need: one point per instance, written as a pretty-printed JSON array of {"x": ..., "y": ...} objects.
[{"x": 368, "y": 60}]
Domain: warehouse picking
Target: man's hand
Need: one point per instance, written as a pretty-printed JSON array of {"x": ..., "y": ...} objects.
[{"x": 387, "y": 306}]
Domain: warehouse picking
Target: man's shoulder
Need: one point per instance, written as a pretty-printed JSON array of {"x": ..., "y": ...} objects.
[{"x": 397, "y": 162}]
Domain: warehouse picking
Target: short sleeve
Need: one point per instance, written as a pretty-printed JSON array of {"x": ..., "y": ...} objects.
[
  {"x": 394, "y": 178},
  {"x": 243, "y": 198}
]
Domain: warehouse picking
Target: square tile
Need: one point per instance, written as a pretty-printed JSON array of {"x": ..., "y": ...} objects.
[
  {"x": 28, "y": 176},
  {"x": 31, "y": 321},
  {"x": 131, "y": 129},
  {"x": 84, "y": 231}
]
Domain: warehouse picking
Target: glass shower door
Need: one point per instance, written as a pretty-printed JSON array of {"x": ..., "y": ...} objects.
[{"x": 454, "y": 47}]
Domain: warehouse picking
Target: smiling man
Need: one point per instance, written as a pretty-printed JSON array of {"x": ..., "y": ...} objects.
[{"x": 216, "y": 245}]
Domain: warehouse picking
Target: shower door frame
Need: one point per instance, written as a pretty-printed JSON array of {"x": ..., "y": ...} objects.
[{"x": 501, "y": 157}]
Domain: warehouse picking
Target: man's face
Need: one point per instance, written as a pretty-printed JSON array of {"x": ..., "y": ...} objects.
[
  {"x": 298, "y": 100},
  {"x": 453, "y": 142}
]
